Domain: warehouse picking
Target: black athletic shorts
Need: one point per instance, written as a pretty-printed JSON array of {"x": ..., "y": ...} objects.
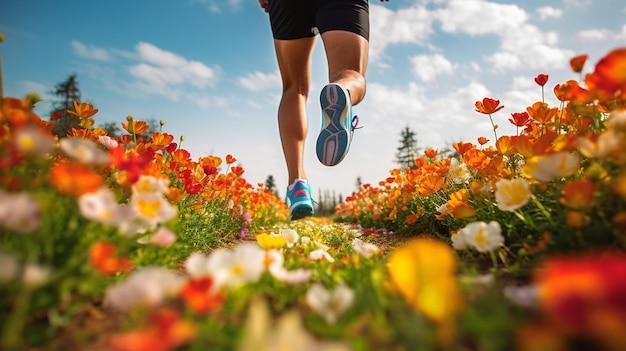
[{"x": 295, "y": 19}]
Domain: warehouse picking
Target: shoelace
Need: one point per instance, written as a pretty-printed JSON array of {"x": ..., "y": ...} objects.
[{"x": 354, "y": 124}]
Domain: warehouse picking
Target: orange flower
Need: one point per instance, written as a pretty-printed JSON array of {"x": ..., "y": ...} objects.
[
  {"x": 74, "y": 179},
  {"x": 102, "y": 257},
  {"x": 166, "y": 331},
  {"x": 198, "y": 294},
  {"x": 230, "y": 159},
  {"x": 161, "y": 140},
  {"x": 238, "y": 171},
  {"x": 430, "y": 184},
  {"x": 578, "y": 194},
  {"x": 482, "y": 140},
  {"x": 519, "y": 119},
  {"x": 84, "y": 110},
  {"x": 578, "y": 62},
  {"x": 430, "y": 153},
  {"x": 541, "y": 113},
  {"x": 572, "y": 91},
  {"x": 462, "y": 147},
  {"x": 609, "y": 77},
  {"x": 135, "y": 127},
  {"x": 488, "y": 106},
  {"x": 411, "y": 218},
  {"x": 475, "y": 159},
  {"x": 504, "y": 144}
]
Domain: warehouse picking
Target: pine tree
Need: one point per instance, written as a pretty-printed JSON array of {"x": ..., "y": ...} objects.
[
  {"x": 408, "y": 150},
  {"x": 270, "y": 184},
  {"x": 67, "y": 92}
]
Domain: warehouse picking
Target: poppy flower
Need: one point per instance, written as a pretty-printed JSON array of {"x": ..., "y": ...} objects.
[
  {"x": 519, "y": 119},
  {"x": 230, "y": 159},
  {"x": 488, "y": 106},
  {"x": 199, "y": 295},
  {"x": 102, "y": 257},
  {"x": 609, "y": 76},
  {"x": 482, "y": 140},
  {"x": 578, "y": 62},
  {"x": 84, "y": 110},
  {"x": 75, "y": 179},
  {"x": 135, "y": 127},
  {"x": 541, "y": 79}
]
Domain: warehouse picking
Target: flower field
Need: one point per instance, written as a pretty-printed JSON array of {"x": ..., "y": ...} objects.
[{"x": 130, "y": 244}]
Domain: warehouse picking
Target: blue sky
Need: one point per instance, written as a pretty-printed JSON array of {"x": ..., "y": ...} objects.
[{"x": 207, "y": 68}]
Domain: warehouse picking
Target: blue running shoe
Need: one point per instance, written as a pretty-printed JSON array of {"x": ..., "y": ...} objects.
[
  {"x": 338, "y": 125},
  {"x": 299, "y": 200}
]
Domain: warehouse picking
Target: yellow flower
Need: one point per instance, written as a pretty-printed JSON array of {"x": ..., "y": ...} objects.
[
  {"x": 512, "y": 194},
  {"x": 423, "y": 272},
  {"x": 546, "y": 168},
  {"x": 270, "y": 241}
]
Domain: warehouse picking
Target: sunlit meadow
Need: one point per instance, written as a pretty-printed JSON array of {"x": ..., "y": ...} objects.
[{"x": 130, "y": 244}]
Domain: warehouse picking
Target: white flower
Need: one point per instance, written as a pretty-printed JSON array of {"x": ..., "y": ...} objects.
[
  {"x": 291, "y": 236},
  {"x": 100, "y": 206},
  {"x": 512, "y": 194},
  {"x": 108, "y": 142},
  {"x": 152, "y": 207},
  {"x": 163, "y": 237},
  {"x": 9, "y": 267},
  {"x": 458, "y": 241},
  {"x": 277, "y": 269},
  {"x": 151, "y": 184},
  {"x": 364, "y": 249},
  {"x": 84, "y": 150},
  {"x": 330, "y": 304},
  {"x": 482, "y": 236},
  {"x": 458, "y": 172},
  {"x": 31, "y": 141},
  {"x": 35, "y": 275},
  {"x": 196, "y": 264},
  {"x": 526, "y": 295},
  {"x": 241, "y": 265},
  {"x": 19, "y": 212},
  {"x": 147, "y": 287},
  {"x": 319, "y": 254}
]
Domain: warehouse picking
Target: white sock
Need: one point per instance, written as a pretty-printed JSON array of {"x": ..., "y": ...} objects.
[{"x": 290, "y": 188}]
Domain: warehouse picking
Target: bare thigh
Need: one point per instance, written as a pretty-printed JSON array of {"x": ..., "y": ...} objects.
[{"x": 345, "y": 51}]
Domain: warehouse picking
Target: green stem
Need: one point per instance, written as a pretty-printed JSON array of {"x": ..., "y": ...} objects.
[
  {"x": 14, "y": 325},
  {"x": 543, "y": 210},
  {"x": 494, "y": 261},
  {"x": 494, "y": 127}
]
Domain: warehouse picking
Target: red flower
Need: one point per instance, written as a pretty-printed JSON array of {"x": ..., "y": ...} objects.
[
  {"x": 519, "y": 119},
  {"x": 482, "y": 140},
  {"x": 198, "y": 294},
  {"x": 102, "y": 257},
  {"x": 578, "y": 62},
  {"x": 541, "y": 79},
  {"x": 488, "y": 106},
  {"x": 56, "y": 115}
]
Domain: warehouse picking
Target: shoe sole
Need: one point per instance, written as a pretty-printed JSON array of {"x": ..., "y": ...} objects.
[
  {"x": 334, "y": 139},
  {"x": 301, "y": 213}
]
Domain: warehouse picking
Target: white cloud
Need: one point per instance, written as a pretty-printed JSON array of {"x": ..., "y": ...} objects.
[
  {"x": 258, "y": 81},
  {"x": 602, "y": 34},
  {"x": 166, "y": 68},
  {"x": 428, "y": 67},
  {"x": 477, "y": 17},
  {"x": 216, "y": 6},
  {"x": 90, "y": 52},
  {"x": 546, "y": 12},
  {"x": 408, "y": 25},
  {"x": 595, "y": 34}
]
